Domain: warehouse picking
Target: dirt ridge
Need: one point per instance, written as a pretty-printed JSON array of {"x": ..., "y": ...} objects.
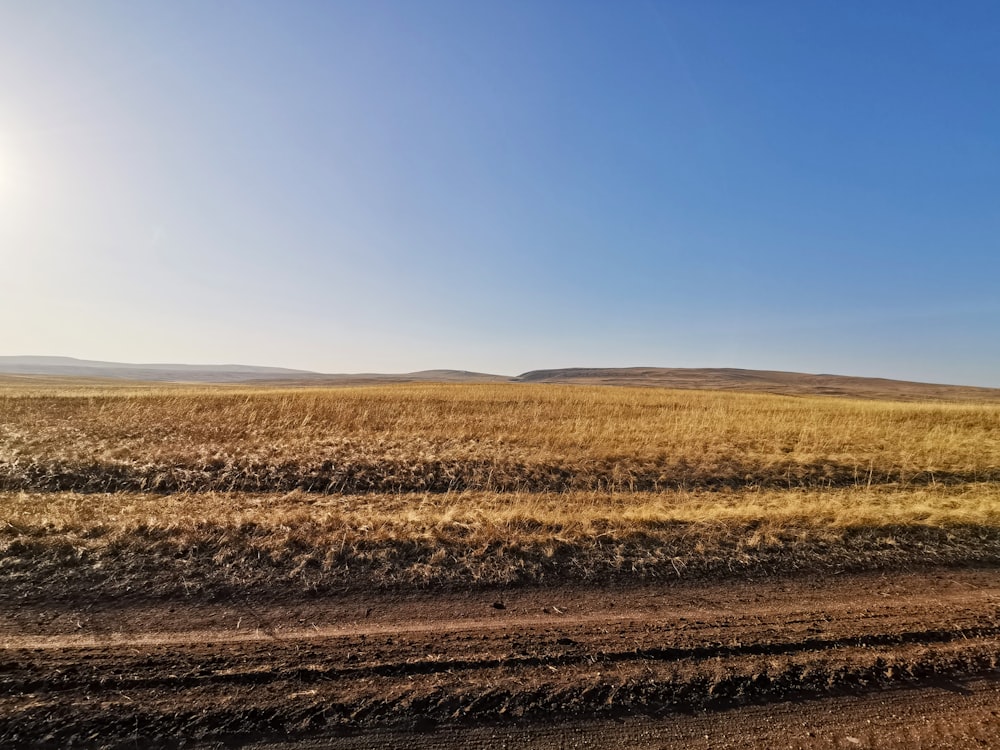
[{"x": 450, "y": 666}]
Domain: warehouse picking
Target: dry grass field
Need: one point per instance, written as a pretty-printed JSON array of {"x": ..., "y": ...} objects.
[
  {"x": 227, "y": 564},
  {"x": 497, "y": 437},
  {"x": 485, "y": 437},
  {"x": 215, "y": 488}
]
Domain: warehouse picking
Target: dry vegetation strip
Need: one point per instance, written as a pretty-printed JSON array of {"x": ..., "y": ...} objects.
[
  {"x": 502, "y": 437},
  {"x": 219, "y": 543},
  {"x": 213, "y": 489}
]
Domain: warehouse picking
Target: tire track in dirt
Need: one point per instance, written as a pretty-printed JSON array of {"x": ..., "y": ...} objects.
[
  {"x": 256, "y": 675},
  {"x": 362, "y": 664},
  {"x": 945, "y": 716}
]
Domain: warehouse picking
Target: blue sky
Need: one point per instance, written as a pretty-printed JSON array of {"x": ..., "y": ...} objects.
[{"x": 504, "y": 186}]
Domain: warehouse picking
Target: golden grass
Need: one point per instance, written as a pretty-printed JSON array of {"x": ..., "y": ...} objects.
[
  {"x": 223, "y": 489},
  {"x": 285, "y": 543},
  {"x": 498, "y": 437},
  {"x": 489, "y": 517}
]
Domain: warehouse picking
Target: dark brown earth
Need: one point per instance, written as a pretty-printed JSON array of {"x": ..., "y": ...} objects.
[
  {"x": 947, "y": 714},
  {"x": 803, "y": 662}
]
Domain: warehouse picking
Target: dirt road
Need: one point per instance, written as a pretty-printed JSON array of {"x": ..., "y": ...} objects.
[{"x": 914, "y": 653}]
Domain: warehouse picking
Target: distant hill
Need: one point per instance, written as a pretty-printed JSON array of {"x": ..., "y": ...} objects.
[
  {"x": 374, "y": 378},
  {"x": 765, "y": 381},
  {"x": 68, "y": 367},
  {"x": 66, "y": 370}
]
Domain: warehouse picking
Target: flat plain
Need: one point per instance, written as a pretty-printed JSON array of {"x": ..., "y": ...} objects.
[{"x": 215, "y": 565}]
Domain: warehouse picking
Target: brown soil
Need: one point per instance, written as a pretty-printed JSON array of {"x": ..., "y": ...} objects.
[
  {"x": 484, "y": 668},
  {"x": 945, "y": 715}
]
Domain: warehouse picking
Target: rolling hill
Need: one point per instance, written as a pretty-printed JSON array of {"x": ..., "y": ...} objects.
[{"x": 66, "y": 370}]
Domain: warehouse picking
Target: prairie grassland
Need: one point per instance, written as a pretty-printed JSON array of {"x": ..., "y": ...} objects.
[
  {"x": 503, "y": 437},
  {"x": 214, "y": 490}
]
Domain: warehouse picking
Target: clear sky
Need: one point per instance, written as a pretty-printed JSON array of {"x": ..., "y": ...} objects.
[{"x": 504, "y": 186}]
